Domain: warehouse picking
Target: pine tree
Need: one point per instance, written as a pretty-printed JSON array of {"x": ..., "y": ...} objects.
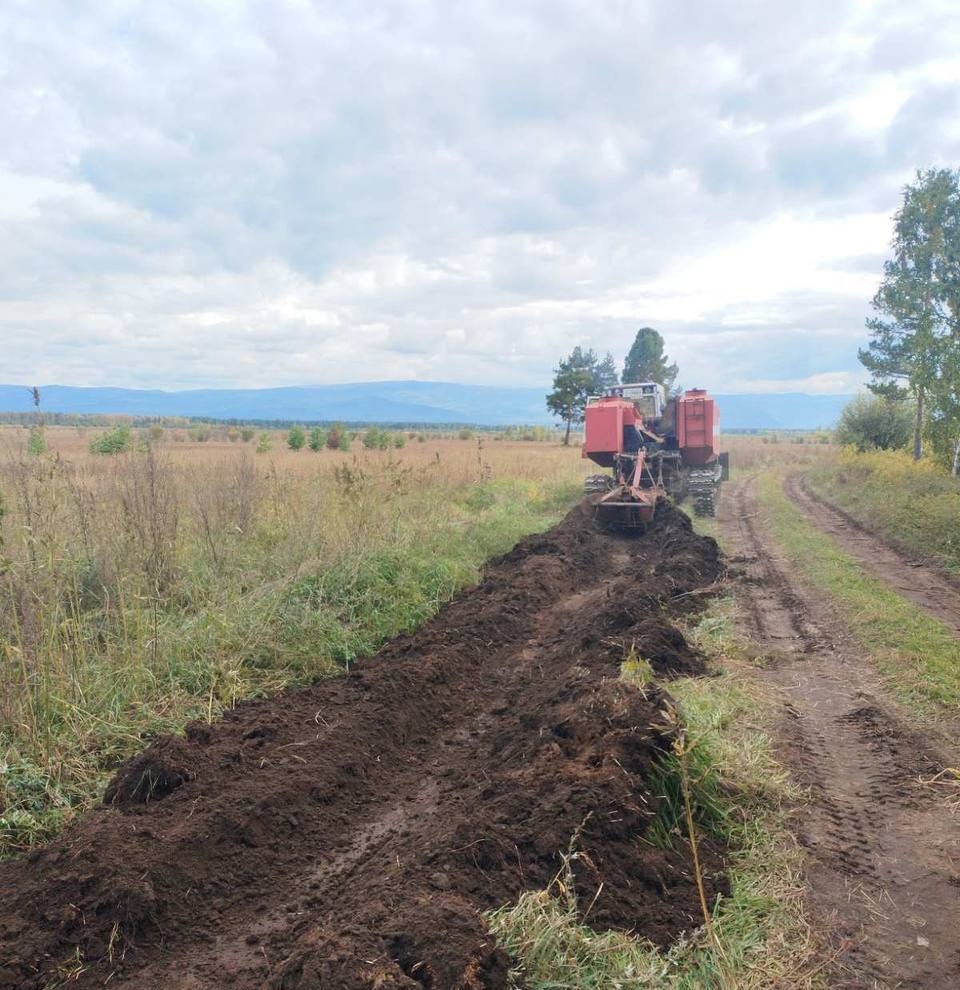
[
  {"x": 646, "y": 361},
  {"x": 577, "y": 377}
]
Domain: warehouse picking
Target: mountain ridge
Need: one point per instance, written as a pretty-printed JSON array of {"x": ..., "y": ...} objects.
[{"x": 394, "y": 402}]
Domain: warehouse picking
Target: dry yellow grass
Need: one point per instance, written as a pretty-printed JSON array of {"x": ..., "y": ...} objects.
[{"x": 142, "y": 589}]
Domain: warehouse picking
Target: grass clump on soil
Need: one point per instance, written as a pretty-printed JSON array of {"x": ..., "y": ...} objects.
[
  {"x": 915, "y": 505},
  {"x": 759, "y": 939},
  {"x": 151, "y": 588},
  {"x": 919, "y": 656}
]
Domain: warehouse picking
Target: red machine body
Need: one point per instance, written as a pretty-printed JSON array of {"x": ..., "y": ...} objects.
[
  {"x": 697, "y": 420},
  {"x": 656, "y": 447},
  {"x": 604, "y": 422}
]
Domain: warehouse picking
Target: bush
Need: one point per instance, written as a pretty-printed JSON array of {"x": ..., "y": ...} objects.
[
  {"x": 296, "y": 438},
  {"x": 318, "y": 439},
  {"x": 872, "y": 422},
  {"x": 263, "y": 445},
  {"x": 37, "y": 443},
  {"x": 371, "y": 439},
  {"x": 246, "y": 434},
  {"x": 399, "y": 441},
  {"x": 114, "y": 441},
  {"x": 465, "y": 434},
  {"x": 344, "y": 441}
]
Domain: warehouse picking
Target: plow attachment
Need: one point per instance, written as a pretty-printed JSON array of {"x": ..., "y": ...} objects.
[{"x": 630, "y": 505}]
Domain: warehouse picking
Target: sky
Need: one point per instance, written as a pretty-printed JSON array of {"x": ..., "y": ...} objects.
[{"x": 217, "y": 193}]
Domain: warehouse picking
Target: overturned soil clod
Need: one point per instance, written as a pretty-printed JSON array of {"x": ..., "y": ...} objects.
[{"x": 352, "y": 834}]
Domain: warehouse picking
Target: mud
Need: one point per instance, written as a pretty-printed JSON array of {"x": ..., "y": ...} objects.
[
  {"x": 351, "y": 834},
  {"x": 882, "y": 848}
]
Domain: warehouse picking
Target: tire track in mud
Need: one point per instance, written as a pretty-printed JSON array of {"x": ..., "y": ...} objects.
[
  {"x": 883, "y": 851},
  {"x": 915, "y": 580},
  {"x": 350, "y": 834}
]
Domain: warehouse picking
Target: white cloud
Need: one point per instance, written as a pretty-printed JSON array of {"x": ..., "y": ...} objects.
[{"x": 290, "y": 192}]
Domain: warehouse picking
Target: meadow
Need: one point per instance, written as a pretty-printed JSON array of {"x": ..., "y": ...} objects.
[{"x": 145, "y": 589}]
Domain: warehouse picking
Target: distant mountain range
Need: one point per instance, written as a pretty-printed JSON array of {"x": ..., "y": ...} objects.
[{"x": 409, "y": 402}]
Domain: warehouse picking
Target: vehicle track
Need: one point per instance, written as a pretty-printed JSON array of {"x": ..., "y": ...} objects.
[
  {"x": 915, "y": 580},
  {"x": 350, "y": 834},
  {"x": 883, "y": 851}
]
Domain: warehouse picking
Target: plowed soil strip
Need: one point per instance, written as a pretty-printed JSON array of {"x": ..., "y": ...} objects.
[
  {"x": 350, "y": 835},
  {"x": 915, "y": 580},
  {"x": 884, "y": 851}
]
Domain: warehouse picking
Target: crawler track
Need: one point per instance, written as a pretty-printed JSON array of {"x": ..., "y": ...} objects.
[
  {"x": 350, "y": 835},
  {"x": 883, "y": 850}
]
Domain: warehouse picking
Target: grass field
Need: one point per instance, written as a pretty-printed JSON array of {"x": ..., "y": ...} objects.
[{"x": 145, "y": 589}]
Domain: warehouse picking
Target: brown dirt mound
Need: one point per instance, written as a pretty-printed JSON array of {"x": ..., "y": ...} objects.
[{"x": 350, "y": 834}]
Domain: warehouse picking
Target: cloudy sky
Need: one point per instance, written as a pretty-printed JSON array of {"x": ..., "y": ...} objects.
[{"x": 219, "y": 193}]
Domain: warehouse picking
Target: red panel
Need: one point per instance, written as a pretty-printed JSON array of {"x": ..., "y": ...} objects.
[
  {"x": 603, "y": 426},
  {"x": 696, "y": 423}
]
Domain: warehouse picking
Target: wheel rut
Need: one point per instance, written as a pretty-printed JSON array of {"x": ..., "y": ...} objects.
[
  {"x": 915, "y": 580},
  {"x": 883, "y": 850}
]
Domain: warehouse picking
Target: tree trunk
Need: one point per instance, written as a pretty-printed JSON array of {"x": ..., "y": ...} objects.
[
  {"x": 956, "y": 458},
  {"x": 566, "y": 438},
  {"x": 918, "y": 428}
]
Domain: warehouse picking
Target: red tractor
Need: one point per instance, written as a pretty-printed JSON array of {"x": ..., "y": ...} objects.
[{"x": 656, "y": 447}]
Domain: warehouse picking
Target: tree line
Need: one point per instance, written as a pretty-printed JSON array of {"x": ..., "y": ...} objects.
[
  {"x": 914, "y": 349},
  {"x": 583, "y": 373}
]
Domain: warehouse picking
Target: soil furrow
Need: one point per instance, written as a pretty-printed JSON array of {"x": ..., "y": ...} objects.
[
  {"x": 351, "y": 834},
  {"x": 883, "y": 851}
]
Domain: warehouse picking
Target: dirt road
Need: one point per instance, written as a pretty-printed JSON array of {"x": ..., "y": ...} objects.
[
  {"x": 350, "y": 834},
  {"x": 915, "y": 580},
  {"x": 884, "y": 852}
]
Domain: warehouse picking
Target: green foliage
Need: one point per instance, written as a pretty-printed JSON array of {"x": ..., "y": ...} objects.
[
  {"x": 296, "y": 438},
  {"x": 376, "y": 439},
  {"x": 399, "y": 441},
  {"x": 646, "y": 361},
  {"x": 264, "y": 444},
  {"x": 37, "y": 441},
  {"x": 199, "y": 434},
  {"x": 916, "y": 335},
  {"x": 578, "y": 376},
  {"x": 343, "y": 442},
  {"x": 247, "y": 434},
  {"x": 114, "y": 441},
  {"x": 870, "y": 422},
  {"x": 318, "y": 439}
]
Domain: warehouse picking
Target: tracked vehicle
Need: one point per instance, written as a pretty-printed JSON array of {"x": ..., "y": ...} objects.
[{"x": 657, "y": 448}]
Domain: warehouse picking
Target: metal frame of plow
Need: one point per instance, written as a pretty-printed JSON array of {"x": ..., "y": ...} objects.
[{"x": 629, "y": 505}]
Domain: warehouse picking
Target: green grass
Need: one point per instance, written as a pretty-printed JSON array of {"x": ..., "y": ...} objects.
[
  {"x": 742, "y": 796},
  {"x": 115, "y": 677},
  {"x": 919, "y": 657}
]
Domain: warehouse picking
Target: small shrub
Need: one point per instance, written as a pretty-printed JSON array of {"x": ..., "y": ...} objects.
[
  {"x": 296, "y": 438},
  {"x": 465, "y": 434},
  {"x": 333, "y": 438},
  {"x": 263, "y": 445},
  {"x": 246, "y": 434},
  {"x": 399, "y": 441},
  {"x": 114, "y": 441},
  {"x": 318, "y": 439},
  {"x": 37, "y": 443},
  {"x": 872, "y": 422}
]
